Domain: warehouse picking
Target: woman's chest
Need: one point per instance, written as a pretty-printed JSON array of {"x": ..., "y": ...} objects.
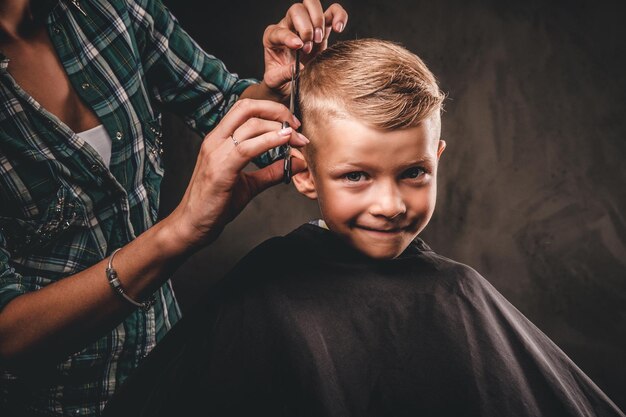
[{"x": 37, "y": 69}]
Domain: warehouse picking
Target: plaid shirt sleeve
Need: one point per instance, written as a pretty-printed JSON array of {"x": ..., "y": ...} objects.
[{"x": 183, "y": 78}]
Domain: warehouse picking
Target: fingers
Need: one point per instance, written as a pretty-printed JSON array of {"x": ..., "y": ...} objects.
[
  {"x": 337, "y": 17},
  {"x": 257, "y": 127},
  {"x": 298, "y": 20},
  {"x": 298, "y": 163},
  {"x": 247, "y": 150},
  {"x": 270, "y": 175},
  {"x": 316, "y": 16},
  {"x": 298, "y": 139},
  {"x": 306, "y": 25},
  {"x": 276, "y": 36},
  {"x": 245, "y": 109},
  {"x": 295, "y": 153},
  {"x": 311, "y": 23},
  {"x": 263, "y": 178}
]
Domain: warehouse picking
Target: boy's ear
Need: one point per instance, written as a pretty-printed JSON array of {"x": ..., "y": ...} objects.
[
  {"x": 304, "y": 182},
  {"x": 440, "y": 149}
]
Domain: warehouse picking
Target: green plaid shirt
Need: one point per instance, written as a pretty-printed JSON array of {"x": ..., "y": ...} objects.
[{"x": 62, "y": 210}]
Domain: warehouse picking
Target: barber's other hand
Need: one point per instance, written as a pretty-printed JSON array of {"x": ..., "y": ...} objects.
[
  {"x": 306, "y": 26},
  {"x": 219, "y": 189}
]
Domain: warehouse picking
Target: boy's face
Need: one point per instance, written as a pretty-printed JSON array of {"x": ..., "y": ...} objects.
[{"x": 375, "y": 188}]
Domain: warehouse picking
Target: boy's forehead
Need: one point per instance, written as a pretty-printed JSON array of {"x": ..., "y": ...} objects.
[
  {"x": 350, "y": 141},
  {"x": 340, "y": 127}
]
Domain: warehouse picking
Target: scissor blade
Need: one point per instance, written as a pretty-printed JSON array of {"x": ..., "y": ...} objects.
[
  {"x": 295, "y": 73},
  {"x": 295, "y": 86}
]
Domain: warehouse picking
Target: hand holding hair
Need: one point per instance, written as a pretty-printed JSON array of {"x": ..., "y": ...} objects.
[{"x": 306, "y": 26}]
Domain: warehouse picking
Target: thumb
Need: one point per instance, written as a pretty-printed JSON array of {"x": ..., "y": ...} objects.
[
  {"x": 278, "y": 76},
  {"x": 262, "y": 179},
  {"x": 298, "y": 163}
]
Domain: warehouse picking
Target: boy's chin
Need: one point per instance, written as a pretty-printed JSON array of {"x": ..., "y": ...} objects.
[
  {"x": 377, "y": 251},
  {"x": 376, "y": 244}
]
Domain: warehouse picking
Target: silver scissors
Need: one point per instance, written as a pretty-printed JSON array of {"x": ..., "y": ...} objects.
[{"x": 293, "y": 108}]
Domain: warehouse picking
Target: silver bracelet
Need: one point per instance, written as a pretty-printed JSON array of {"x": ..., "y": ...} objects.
[{"x": 115, "y": 283}]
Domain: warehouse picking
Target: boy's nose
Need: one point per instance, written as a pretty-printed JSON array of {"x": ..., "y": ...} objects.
[{"x": 388, "y": 202}]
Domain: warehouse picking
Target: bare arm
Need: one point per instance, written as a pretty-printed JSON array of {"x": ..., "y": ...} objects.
[{"x": 61, "y": 318}]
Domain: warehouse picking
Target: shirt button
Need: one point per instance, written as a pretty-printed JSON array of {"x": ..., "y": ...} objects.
[
  {"x": 118, "y": 135},
  {"x": 95, "y": 168},
  {"x": 56, "y": 29},
  {"x": 85, "y": 86}
]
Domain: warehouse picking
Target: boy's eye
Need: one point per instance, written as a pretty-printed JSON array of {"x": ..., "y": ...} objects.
[
  {"x": 355, "y": 176},
  {"x": 414, "y": 172}
]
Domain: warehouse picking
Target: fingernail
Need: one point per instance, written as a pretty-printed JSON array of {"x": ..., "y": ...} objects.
[
  {"x": 303, "y": 138},
  {"x": 296, "y": 122},
  {"x": 307, "y": 47},
  {"x": 339, "y": 27},
  {"x": 319, "y": 35},
  {"x": 297, "y": 42},
  {"x": 285, "y": 132}
]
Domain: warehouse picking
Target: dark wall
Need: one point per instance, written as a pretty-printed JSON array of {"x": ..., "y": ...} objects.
[{"x": 532, "y": 186}]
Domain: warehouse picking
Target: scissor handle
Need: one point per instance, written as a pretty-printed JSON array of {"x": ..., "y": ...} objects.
[
  {"x": 287, "y": 167},
  {"x": 287, "y": 161}
]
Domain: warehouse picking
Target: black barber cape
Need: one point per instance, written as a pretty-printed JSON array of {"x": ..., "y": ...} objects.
[{"x": 307, "y": 326}]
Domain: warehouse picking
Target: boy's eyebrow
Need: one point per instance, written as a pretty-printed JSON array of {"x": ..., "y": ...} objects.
[
  {"x": 421, "y": 161},
  {"x": 344, "y": 166}
]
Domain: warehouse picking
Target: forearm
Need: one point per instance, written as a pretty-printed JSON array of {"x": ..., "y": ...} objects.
[{"x": 63, "y": 317}]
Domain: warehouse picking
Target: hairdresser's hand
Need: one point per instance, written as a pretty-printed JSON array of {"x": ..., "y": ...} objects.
[
  {"x": 219, "y": 189},
  {"x": 306, "y": 25}
]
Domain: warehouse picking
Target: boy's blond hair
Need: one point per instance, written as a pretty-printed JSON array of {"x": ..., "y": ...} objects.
[{"x": 376, "y": 82}]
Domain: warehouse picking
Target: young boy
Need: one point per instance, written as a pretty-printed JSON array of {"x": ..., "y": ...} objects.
[{"x": 360, "y": 317}]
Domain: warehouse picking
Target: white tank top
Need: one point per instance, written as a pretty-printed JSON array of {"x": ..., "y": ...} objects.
[{"x": 100, "y": 140}]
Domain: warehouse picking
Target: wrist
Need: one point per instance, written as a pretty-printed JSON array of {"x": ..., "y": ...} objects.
[
  {"x": 171, "y": 240},
  {"x": 177, "y": 238}
]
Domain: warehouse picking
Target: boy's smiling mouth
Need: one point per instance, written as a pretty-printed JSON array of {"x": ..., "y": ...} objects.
[{"x": 387, "y": 230}]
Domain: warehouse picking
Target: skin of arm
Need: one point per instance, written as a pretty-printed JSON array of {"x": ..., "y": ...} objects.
[
  {"x": 47, "y": 325},
  {"x": 51, "y": 323}
]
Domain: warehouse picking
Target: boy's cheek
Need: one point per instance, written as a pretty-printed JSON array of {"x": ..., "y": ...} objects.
[
  {"x": 421, "y": 199},
  {"x": 340, "y": 204}
]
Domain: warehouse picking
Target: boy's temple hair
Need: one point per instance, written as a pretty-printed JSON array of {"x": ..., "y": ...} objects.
[{"x": 376, "y": 82}]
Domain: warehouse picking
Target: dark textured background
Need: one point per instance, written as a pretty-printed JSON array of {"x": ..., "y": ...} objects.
[{"x": 532, "y": 186}]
